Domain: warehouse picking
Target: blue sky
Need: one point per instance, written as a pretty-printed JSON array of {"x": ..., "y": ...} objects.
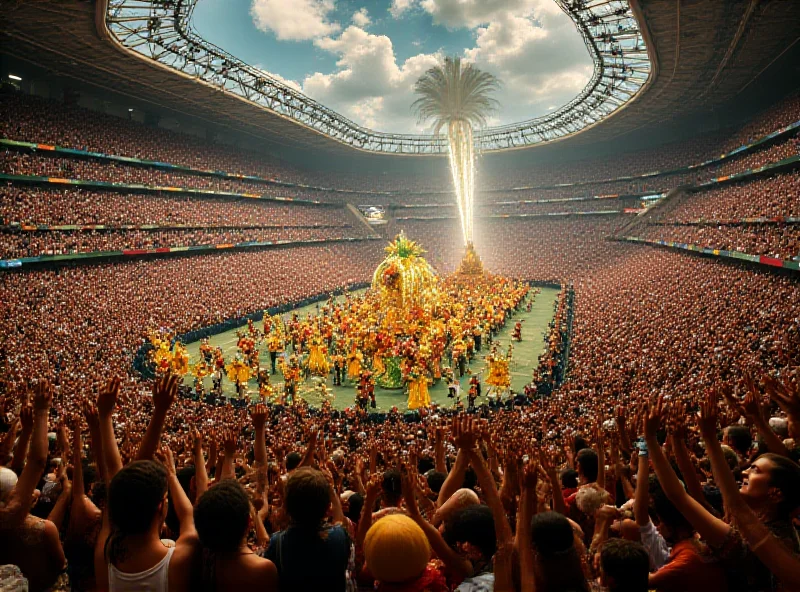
[{"x": 361, "y": 57}]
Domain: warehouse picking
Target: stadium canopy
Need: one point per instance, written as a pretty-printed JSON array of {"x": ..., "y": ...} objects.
[{"x": 162, "y": 31}]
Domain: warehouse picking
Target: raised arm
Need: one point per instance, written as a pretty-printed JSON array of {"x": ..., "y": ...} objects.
[
  {"x": 7, "y": 444},
  {"x": 200, "y": 473},
  {"x": 641, "y": 499},
  {"x": 180, "y": 501},
  {"x": 454, "y": 479},
  {"x": 37, "y": 454},
  {"x": 548, "y": 467},
  {"x": 459, "y": 566},
  {"x": 678, "y": 440},
  {"x": 83, "y": 512},
  {"x": 753, "y": 411},
  {"x": 713, "y": 530},
  {"x": 308, "y": 457},
  {"x": 259, "y": 417},
  {"x": 467, "y": 440},
  {"x": 527, "y": 510},
  {"x": 600, "y": 448},
  {"x": 96, "y": 442},
  {"x": 59, "y": 511},
  {"x": 21, "y": 448},
  {"x": 165, "y": 391},
  {"x": 365, "y": 521},
  {"x": 438, "y": 445},
  {"x": 228, "y": 469},
  {"x": 787, "y": 396},
  {"x": 106, "y": 401}
]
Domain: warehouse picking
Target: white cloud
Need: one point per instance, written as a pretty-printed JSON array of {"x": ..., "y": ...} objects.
[
  {"x": 361, "y": 17},
  {"x": 369, "y": 86},
  {"x": 530, "y": 45},
  {"x": 398, "y": 7},
  {"x": 535, "y": 51},
  {"x": 294, "y": 20},
  {"x": 456, "y": 14}
]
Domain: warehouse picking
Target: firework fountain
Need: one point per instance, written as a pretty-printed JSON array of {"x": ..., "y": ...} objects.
[{"x": 456, "y": 96}]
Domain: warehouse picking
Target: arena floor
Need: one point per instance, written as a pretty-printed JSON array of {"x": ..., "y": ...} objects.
[{"x": 525, "y": 359}]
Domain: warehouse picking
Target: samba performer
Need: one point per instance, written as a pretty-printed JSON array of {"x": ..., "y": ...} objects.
[
  {"x": 362, "y": 395},
  {"x": 354, "y": 359},
  {"x": 418, "y": 388},
  {"x": 472, "y": 395},
  {"x": 291, "y": 378},
  {"x": 275, "y": 345},
  {"x": 338, "y": 369},
  {"x": 517, "y": 335},
  {"x": 265, "y": 389},
  {"x": 206, "y": 351},
  {"x": 318, "y": 360}
]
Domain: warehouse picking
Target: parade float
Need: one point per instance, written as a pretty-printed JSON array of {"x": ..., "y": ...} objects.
[{"x": 407, "y": 288}]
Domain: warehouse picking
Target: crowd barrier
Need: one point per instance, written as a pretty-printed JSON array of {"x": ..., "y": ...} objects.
[
  {"x": 701, "y": 221},
  {"x": 196, "y": 249},
  {"x": 134, "y": 187},
  {"x": 91, "y": 227},
  {"x": 759, "y": 259}
]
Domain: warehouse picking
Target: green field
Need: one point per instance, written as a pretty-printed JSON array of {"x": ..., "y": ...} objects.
[{"x": 526, "y": 355}]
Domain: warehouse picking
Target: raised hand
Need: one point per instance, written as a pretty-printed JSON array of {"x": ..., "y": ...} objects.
[
  {"x": 677, "y": 421},
  {"x": 42, "y": 395},
  {"x": 165, "y": 391},
  {"x": 259, "y": 415},
  {"x": 167, "y": 459},
  {"x": 26, "y": 418},
  {"x": 91, "y": 415},
  {"x": 409, "y": 491},
  {"x": 374, "y": 485},
  {"x": 530, "y": 475},
  {"x": 785, "y": 394},
  {"x": 464, "y": 432},
  {"x": 652, "y": 419},
  {"x": 707, "y": 418},
  {"x": 107, "y": 398},
  {"x": 229, "y": 443}
]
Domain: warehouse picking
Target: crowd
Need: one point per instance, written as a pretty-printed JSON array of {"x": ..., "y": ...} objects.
[
  {"x": 23, "y": 243},
  {"x": 664, "y": 456},
  {"x": 139, "y": 486},
  {"x": 34, "y": 119},
  {"x": 781, "y": 241},
  {"x": 717, "y": 217},
  {"x": 29, "y": 204},
  {"x": 760, "y": 197}
]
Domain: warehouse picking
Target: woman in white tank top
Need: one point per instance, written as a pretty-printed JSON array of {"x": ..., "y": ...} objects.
[
  {"x": 130, "y": 554},
  {"x": 155, "y": 579}
]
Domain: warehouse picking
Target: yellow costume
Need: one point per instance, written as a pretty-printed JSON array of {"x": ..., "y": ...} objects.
[
  {"x": 354, "y": 364},
  {"x": 499, "y": 376},
  {"x": 180, "y": 360},
  {"x": 318, "y": 360},
  {"x": 238, "y": 371},
  {"x": 418, "y": 395}
]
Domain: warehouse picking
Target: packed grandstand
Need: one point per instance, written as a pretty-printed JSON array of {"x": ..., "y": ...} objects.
[{"x": 650, "y": 442}]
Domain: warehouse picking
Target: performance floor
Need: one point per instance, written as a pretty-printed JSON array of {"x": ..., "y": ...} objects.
[{"x": 525, "y": 359}]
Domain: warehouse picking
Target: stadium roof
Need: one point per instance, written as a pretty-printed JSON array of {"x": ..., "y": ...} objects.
[{"x": 701, "y": 53}]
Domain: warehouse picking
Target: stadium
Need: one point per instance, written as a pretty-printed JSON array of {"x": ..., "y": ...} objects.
[{"x": 420, "y": 295}]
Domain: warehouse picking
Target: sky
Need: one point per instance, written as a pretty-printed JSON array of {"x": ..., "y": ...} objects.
[{"x": 362, "y": 57}]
